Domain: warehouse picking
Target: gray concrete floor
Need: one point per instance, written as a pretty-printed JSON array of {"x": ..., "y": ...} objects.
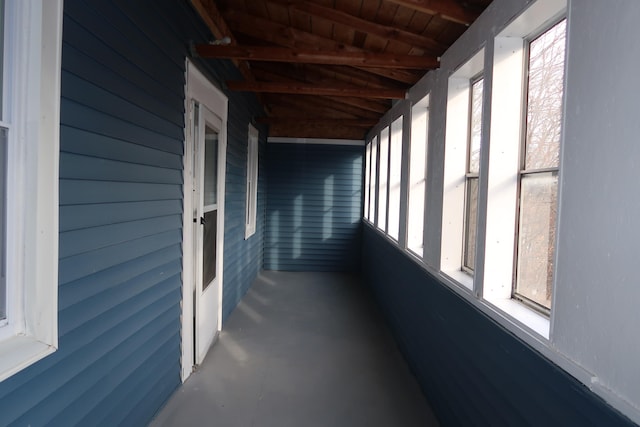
[{"x": 301, "y": 349}]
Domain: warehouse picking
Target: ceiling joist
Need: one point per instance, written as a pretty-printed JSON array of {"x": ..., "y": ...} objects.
[
  {"x": 310, "y": 56},
  {"x": 296, "y": 88},
  {"x": 362, "y": 25},
  {"x": 446, "y": 9}
]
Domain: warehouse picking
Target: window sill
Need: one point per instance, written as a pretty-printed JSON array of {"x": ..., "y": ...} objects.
[
  {"x": 459, "y": 278},
  {"x": 20, "y": 351},
  {"x": 523, "y": 315}
]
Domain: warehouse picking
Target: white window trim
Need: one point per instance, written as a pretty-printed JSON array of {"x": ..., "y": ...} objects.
[
  {"x": 33, "y": 59},
  {"x": 419, "y": 131},
  {"x": 251, "y": 207},
  {"x": 453, "y": 197},
  {"x": 502, "y": 195}
]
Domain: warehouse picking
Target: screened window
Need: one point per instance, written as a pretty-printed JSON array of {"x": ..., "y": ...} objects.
[
  {"x": 472, "y": 174},
  {"x": 395, "y": 166},
  {"x": 417, "y": 176},
  {"x": 383, "y": 179},
  {"x": 367, "y": 179},
  {"x": 538, "y": 180},
  {"x": 252, "y": 183},
  {"x": 372, "y": 182}
]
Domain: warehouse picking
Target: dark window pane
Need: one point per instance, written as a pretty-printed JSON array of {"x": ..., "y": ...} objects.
[
  {"x": 209, "y": 248},
  {"x": 536, "y": 237}
]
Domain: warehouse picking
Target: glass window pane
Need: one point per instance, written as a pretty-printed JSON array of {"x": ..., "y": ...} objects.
[
  {"x": 372, "y": 183},
  {"x": 367, "y": 177},
  {"x": 3, "y": 192},
  {"x": 536, "y": 237},
  {"x": 1, "y": 56},
  {"x": 209, "y": 247},
  {"x": 395, "y": 166},
  {"x": 383, "y": 180},
  {"x": 544, "y": 98},
  {"x": 471, "y": 222},
  {"x": 417, "y": 177},
  {"x": 210, "y": 167},
  {"x": 475, "y": 126}
]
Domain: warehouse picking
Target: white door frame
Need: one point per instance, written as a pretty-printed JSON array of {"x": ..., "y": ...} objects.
[{"x": 200, "y": 89}]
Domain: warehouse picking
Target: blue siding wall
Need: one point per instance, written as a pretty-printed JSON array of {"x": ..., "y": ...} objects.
[
  {"x": 122, "y": 131},
  {"x": 314, "y": 207},
  {"x": 473, "y": 372}
]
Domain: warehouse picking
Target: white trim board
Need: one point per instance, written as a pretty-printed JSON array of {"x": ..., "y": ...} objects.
[{"x": 319, "y": 141}]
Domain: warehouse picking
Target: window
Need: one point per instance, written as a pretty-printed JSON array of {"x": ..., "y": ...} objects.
[
  {"x": 538, "y": 192},
  {"x": 395, "y": 166},
  {"x": 522, "y": 178},
  {"x": 372, "y": 182},
  {"x": 417, "y": 176},
  {"x": 30, "y": 41},
  {"x": 367, "y": 178},
  {"x": 252, "y": 183},
  {"x": 383, "y": 179},
  {"x": 472, "y": 175},
  {"x": 461, "y": 171}
]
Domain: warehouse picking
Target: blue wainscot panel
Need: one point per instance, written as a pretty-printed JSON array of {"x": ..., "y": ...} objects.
[{"x": 473, "y": 371}]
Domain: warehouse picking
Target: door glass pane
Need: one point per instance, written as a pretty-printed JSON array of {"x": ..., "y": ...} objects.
[
  {"x": 210, "y": 167},
  {"x": 3, "y": 261},
  {"x": 209, "y": 247},
  {"x": 536, "y": 237}
]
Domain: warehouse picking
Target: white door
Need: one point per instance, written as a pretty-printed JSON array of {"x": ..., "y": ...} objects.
[{"x": 209, "y": 158}]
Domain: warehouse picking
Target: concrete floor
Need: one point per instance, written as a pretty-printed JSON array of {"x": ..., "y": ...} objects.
[{"x": 301, "y": 349}]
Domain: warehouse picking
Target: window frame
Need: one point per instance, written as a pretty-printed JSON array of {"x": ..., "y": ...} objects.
[
  {"x": 455, "y": 167},
  {"x": 508, "y": 100},
  {"x": 251, "y": 202},
  {"x": 31, "y": 104}
]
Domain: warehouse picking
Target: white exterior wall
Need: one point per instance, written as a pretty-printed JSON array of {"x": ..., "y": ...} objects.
[{"x": 596, "y": 315}]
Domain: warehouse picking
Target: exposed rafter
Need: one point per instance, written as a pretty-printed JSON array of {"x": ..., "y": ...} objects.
[
  {"x": 447, "y": 9},
  {"x": 358, "y": 24},
  {"x": 284, "y": 36},
  {"x": 215, "y": 22},
  {"x": 310, "y": 56},
  {"x": 314, "y": 89}
]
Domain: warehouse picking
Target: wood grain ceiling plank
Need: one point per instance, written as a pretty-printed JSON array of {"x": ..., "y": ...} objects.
[
  {"x": 363, "y": 104},
  {"x": 294, "y": 88},
  {"x": 289, "y": 37},
  {"x": 310, "y": 130},
  {"x": 448, "y": 10},
  {"x": 309, "y": 112},
  {"x": 306, "y": 103},
  {"x": 310, "y": 56},
  {"x": 386, "y": 32},
  {"x": 320, "y": 121}
]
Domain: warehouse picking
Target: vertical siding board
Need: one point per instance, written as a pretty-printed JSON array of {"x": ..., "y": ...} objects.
[
  {"x": 472, "y": 370},
  {"x": 122, "y": 117},
  {"x": 313, "y": 209}
]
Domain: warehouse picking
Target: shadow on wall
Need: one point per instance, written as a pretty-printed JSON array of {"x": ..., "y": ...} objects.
[{"x": 314, "y": 204}]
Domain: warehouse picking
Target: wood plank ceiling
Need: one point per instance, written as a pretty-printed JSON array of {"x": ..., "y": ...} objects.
[{"x": 331, "y": 68}]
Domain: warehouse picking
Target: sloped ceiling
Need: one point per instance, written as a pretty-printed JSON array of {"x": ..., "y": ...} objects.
[{"x": 331, "y": 68}]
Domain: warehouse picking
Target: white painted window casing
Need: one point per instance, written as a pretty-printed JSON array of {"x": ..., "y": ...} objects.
[{"x": 31, "y": 119}]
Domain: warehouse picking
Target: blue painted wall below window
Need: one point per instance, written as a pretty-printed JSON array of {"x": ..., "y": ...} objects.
[
  {"x": 473, "y": 371},
  {"x": 314, "y": 204}
]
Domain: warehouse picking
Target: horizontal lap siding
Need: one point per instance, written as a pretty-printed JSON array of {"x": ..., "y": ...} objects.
[
  {"x": 472, "y": 370},
  {"x": 314, "y": 207},
  {"x": 121, "y": 137}
]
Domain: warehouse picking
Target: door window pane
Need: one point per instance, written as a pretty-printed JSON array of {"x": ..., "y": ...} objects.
[
  {"x": 209, "y": 247},
  {"x": 210, "y": 167}
]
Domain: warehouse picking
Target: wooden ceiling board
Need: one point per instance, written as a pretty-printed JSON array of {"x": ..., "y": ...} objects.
[{"x": 289, "y": 45}]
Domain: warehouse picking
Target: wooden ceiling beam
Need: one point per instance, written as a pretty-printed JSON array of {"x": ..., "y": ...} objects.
[
  {"x": 281, "y": 35},
  {"x": 446, "y": 9},
  {"x": 327, "y": 122},
  {"x": 362, "y": 25},
  {"x": 296, "y": 88},
  {"x": 311, "y": 56},
  {"x": 212, "y": 17}
]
